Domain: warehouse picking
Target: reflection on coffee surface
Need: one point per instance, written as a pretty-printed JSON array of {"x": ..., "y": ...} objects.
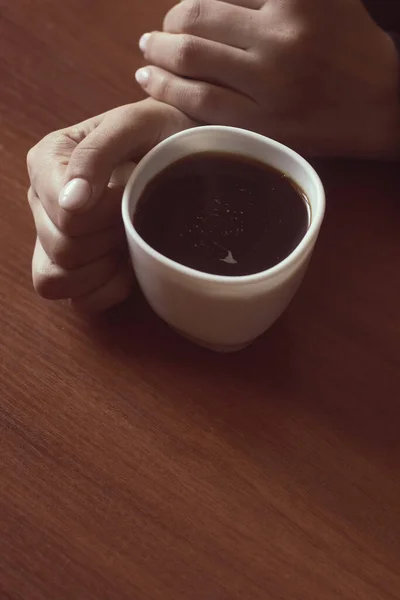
[{"x": 223, "y": 214}]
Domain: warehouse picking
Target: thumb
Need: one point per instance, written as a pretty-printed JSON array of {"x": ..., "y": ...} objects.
[{"x": 123, "y": 134}]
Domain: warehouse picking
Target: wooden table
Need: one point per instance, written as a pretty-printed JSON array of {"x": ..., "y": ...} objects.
[{"x": 136, "y": 466}]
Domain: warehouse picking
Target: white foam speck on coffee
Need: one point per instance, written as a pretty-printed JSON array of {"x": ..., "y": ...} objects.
[{"x": 229, "y": 259}]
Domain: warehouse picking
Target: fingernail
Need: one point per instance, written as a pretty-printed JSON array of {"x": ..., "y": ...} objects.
[
  {"x": 75, "y": 195},
  {"x": 143, "y": 41},
  {"x": 142, "y": 76}
]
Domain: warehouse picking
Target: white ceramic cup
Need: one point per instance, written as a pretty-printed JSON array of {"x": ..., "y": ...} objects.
[{"x": 221, "y": 313}]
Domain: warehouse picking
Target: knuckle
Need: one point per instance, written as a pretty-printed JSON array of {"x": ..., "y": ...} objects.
[
  {"x": 40, "y": 153},
  {"x": 197, "y": 99},
  {"x": 41, "y": 286},
  {"x": 291, "y": 38},
  {"x": 50, "y": 281},
  {"x": 202, "y": 99},
  {"x": 47, "y": 284},
  {"x": 186, "y": 54},
  {"x": 67, "y": 223},
  {"x": 161, "y": 87},
  {"x": 191, "y": 14},
  {"x": 61, "y": 250},
  {"x": 74, "y": 134}
]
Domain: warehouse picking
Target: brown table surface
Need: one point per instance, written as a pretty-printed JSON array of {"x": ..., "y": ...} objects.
[{"x": 134, "y": 465}]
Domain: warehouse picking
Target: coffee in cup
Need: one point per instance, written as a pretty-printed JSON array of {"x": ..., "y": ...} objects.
[
  {"x": 220, "y": 263},
  {"x": 222, "y": 213}
]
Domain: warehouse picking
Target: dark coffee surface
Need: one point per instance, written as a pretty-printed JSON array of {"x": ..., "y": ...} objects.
[{"x": 222, "y": 214}]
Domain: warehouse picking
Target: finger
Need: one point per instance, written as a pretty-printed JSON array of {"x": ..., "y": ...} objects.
[
  {"x": 115, "y": 291},
  {"x": 97, "y": 221},
  {"x": 47, "y": 166},
  {"x": 73, "y": 252},
  {"x": 55, "y": 283},
  {"x": 194, "y": 57},
  {"x": 202, "y": 102},
  {"x": 125, "y": 133},
  {"x": 70, "y": 170},
  {"x": 103, "y": 215},
  {"x": 215, "y": 21}
]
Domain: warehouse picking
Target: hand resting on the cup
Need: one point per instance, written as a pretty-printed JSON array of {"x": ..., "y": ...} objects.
[
  {"x": 320, "y": 76},
  {"x": 80, "y": 250}
]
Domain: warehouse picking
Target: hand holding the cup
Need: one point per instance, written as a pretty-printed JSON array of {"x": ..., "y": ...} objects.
[
  {"x": 319, "y": 76},
  {"x": 75, "y": 198}
]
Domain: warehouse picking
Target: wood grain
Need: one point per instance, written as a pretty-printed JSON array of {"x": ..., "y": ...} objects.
[{"x": 136, "y": 466}]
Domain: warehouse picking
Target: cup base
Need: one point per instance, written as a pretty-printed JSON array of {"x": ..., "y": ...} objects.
[{"x": 221, "y": 348}]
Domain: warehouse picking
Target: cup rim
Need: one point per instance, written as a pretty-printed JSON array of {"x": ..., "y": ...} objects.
[{"x": 276, "y": 270}]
